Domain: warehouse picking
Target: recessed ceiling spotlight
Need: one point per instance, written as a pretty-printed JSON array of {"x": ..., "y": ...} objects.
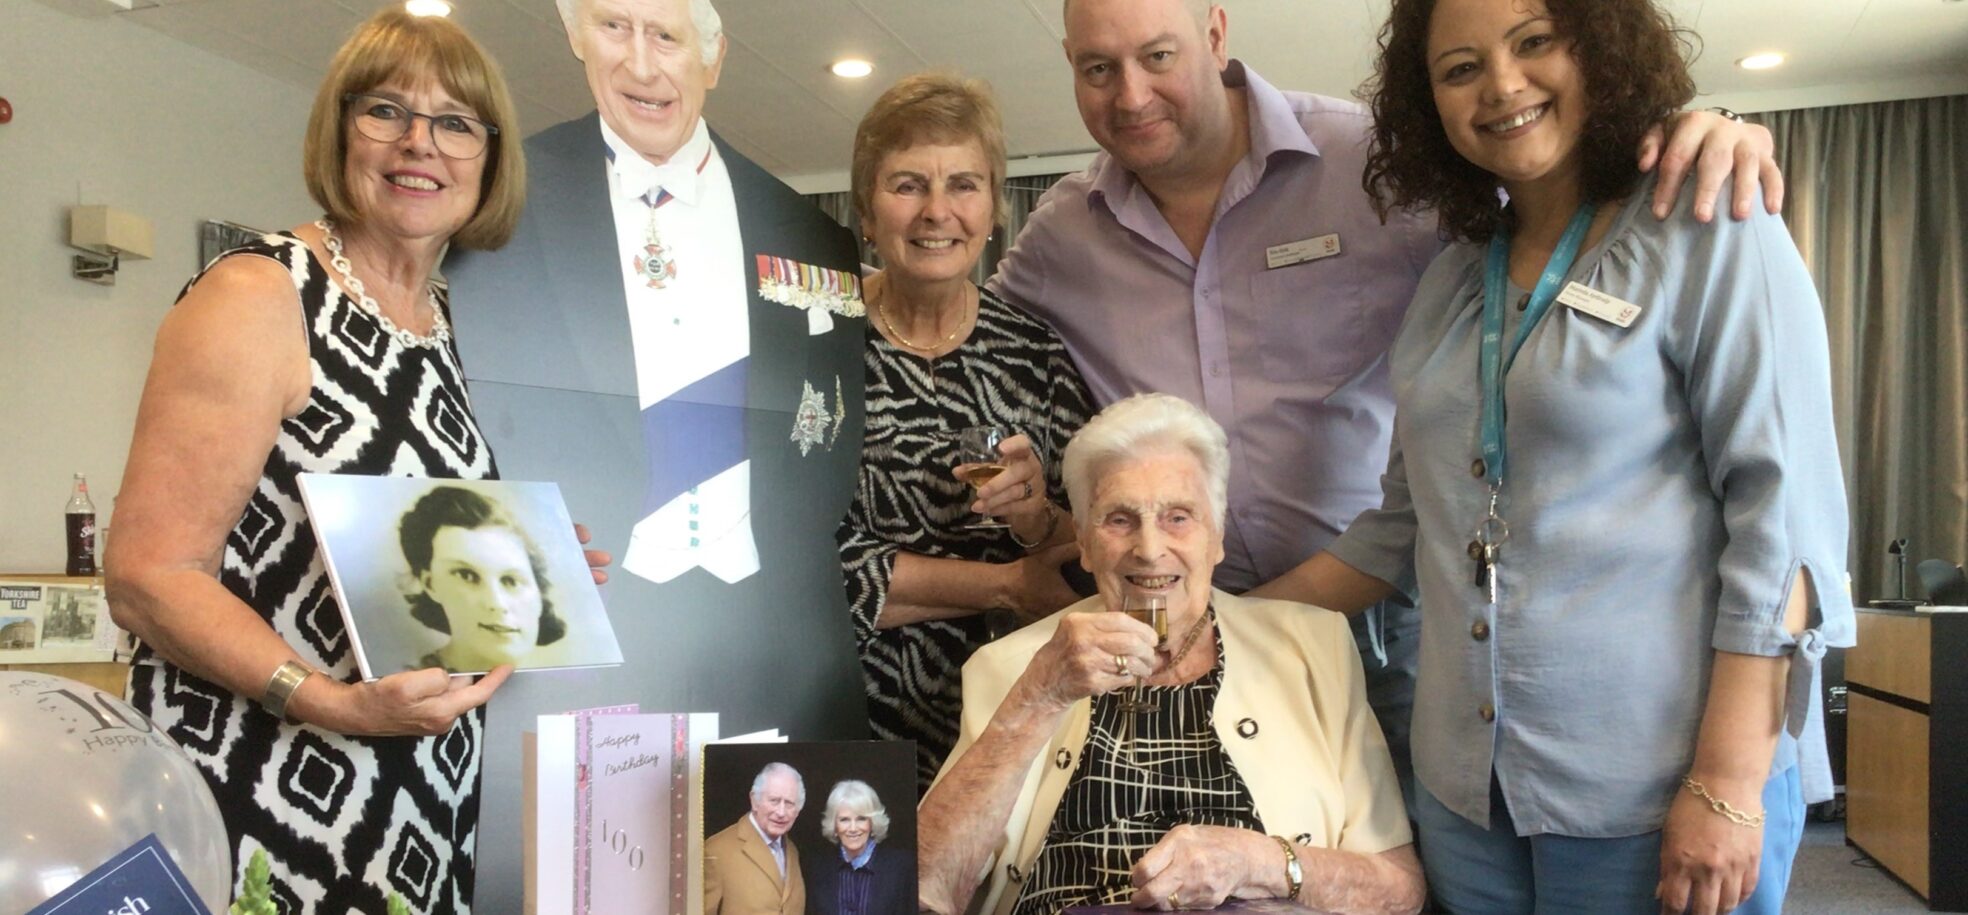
[
  {"x": 852, "y": 68},
  {"x": 427, "y": 7},
  {"x": 1761, "y": 61}
]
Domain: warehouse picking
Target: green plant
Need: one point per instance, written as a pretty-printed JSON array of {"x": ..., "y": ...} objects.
[{"x": 256, "y": 894}]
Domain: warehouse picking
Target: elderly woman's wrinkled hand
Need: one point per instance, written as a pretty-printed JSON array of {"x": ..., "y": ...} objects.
[
  {"x": 1091, "y": 654},
  {"x": 419, "y": 703},
  {"x": 1197, "y": 867},
  {"x": 1019, "y": 493}
]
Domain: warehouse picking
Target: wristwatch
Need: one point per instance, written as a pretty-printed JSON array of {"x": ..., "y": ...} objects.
[{"x": 1294, "y": 874}]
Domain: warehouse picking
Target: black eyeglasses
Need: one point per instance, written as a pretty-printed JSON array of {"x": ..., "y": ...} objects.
[{"x": 384, "y": 120}]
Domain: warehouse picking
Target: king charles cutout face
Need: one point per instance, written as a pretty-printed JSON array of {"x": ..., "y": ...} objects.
[{"x": 650, "y": 64}]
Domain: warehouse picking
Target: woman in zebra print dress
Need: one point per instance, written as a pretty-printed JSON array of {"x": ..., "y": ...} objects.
[
  {"x": 323, "y": 349},
  {"x": 928, "y": 174}
]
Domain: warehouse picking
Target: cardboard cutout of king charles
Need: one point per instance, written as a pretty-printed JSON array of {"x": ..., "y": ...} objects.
[{"x": 674, "y": 336}]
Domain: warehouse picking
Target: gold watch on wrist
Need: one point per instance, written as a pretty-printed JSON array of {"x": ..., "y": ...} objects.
[
  {"x": 1294, "y": 874},
  {"x": 281, "y": 686}
]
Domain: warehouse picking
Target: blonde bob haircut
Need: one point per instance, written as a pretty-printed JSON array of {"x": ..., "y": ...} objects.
[
  {"x": 395, "y": 44},
  {"x": 929, "y": 108}
]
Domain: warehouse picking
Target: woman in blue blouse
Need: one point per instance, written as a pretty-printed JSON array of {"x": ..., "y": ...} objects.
[{"x": 1613, "y": 479}]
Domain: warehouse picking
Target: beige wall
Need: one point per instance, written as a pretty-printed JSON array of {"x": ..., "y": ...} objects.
[{"x": 107, "y": 111}]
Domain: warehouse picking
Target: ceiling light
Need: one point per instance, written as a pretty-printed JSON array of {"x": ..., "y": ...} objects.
[
  {"x": 427, "y": 7},
  {"x": 851, "y": 68},
  {"x": 1761, "y": 61}
]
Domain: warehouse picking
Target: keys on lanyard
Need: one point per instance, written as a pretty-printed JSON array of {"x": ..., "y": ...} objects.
[{"x": 1490, "y": 538}]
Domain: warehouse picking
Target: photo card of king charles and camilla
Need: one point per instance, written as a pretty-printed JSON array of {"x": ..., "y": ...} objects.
[
  {"x": 844, "y": 813},
  {"x": 460, "y": 574}
]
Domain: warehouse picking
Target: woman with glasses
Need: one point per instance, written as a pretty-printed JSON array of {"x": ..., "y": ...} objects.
[{"x": 322, "y": 349}]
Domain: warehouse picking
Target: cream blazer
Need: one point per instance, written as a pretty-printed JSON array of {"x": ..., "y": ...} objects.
[{"x": 1292, "y": 715}]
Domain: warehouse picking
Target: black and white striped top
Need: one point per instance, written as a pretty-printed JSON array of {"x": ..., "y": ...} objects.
[
  {"x": 1120, "y": 803},
  {"x": 1011, "y": 371}
]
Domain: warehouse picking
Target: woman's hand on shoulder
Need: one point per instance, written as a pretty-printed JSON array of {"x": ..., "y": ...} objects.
[{"x": 415, "y": 703}]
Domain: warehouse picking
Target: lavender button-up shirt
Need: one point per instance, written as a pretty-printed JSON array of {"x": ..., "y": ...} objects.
[{"x": 1291, "y": 360}]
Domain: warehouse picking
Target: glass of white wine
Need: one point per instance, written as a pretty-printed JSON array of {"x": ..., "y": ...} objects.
[
  {"x": 1150, "y": 610},
  {"x": 977, "y": 448}
]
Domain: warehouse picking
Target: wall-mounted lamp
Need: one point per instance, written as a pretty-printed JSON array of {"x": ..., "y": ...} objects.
[{"x": 107, "y": 234}]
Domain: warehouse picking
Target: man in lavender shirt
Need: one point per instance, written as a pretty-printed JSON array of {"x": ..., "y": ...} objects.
[{"x": 1221, "y": 249}]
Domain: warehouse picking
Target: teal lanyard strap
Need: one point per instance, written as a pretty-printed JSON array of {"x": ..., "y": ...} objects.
[{"x": 1492, "y": 362}]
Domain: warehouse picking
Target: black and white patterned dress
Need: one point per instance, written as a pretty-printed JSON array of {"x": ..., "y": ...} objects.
[
  {"x": 1119, "y": 804},
  {"x": 344, "y": 820},
  {"x": 1011, "y": 371}
]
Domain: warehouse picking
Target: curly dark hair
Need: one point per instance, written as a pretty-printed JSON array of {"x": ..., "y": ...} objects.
[
  {"x": 1635, "y": 63},
  {"x": 456, "y": 506}
]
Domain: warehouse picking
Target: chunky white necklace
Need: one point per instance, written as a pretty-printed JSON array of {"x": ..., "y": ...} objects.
[{"x": 440, "y": 329}]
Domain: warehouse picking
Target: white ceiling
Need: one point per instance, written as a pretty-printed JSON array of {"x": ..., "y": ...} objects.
[{"x": 777, "y": 103}]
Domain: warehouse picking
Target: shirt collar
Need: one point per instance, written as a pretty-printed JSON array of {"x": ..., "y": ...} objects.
[
  {"x": 770, "y": 842},
  {"x": 1274, "y": 128},
  {"x": 636, "y": 176},
  {"x": 861, "y": 860}
]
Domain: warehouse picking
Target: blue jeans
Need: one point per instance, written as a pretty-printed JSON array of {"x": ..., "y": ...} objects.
[{"x": 1494, "y": 871}]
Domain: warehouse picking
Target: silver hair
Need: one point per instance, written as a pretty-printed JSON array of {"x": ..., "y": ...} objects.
[
  {"x": 854, "y": 796},
  {"x": 702, "y": 15},
  {"x": 1139, "y": 426},
  {"x": 779, "y": 768}
]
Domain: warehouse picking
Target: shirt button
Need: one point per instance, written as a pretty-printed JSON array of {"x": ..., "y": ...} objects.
[
  {"x": 1480, "y": 632},
  {"x": 1487, "y": 712},
  {"x": 1478, "y": 469},
  {"x": 1524, "y": 303},
  {"x": 1216, "y": 371}
]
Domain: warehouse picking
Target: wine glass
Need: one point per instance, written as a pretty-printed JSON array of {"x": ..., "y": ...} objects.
[{"x": 977, "y": 448}]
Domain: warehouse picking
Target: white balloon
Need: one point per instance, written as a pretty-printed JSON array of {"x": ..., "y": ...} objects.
[{"x": 88, "y": 776}]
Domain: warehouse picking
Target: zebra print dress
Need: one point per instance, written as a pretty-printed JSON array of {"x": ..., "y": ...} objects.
[
  {"x": 344, "y": 820},
  {"x": 1012, "y": 371}
]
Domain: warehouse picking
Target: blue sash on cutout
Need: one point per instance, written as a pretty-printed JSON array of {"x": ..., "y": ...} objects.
[{"x": 694, "y": 434}]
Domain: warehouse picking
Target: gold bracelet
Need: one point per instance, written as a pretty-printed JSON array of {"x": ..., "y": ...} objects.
[
  {"x": 1294, "y": 874},
  {"x": 1720, "y": 806},
  {"x": 1052, "y": 527},
  {"x": 281, "y": 686}
]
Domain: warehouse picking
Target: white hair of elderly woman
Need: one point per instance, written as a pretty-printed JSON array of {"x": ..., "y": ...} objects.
[
  {"x": 1139, "y": 426},
  {"x": 852, "y": 796},
  {"x": 778, "y": 768},
  {"x": 702, "y": 14}
]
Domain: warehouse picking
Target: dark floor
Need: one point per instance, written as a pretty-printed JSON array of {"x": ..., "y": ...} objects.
[{"x": 1833, "y": 878}]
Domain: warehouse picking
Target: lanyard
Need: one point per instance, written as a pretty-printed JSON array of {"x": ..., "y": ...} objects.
[{"x": 1492, "y": 362}]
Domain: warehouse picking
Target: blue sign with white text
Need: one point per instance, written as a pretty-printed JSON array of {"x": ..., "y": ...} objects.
[{"x": 140, "y": 880}]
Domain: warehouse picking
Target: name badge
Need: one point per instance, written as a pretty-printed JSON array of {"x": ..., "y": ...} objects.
[
  {"x": 1618, "y": 312},
  {"x": 1298, "y": 252}
]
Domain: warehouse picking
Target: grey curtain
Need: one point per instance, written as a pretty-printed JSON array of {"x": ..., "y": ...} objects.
[
  {"x": 1876, "y": 197},
  {"x": 1021, "y": 195}
]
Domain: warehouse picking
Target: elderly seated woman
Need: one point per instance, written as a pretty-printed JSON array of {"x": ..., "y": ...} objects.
[{"x": 1098, "y": 764}]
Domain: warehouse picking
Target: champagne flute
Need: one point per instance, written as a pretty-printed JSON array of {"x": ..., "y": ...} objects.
[
  {"x": 1150, "y": 610},
  {"x": 977, "y": 447}
]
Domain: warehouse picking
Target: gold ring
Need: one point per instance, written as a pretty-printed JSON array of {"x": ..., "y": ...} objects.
[
  {"x": 1175, "y": 901},
  {"x": 1120, "y": 665},
  {"x": 1028, "y": 489}
]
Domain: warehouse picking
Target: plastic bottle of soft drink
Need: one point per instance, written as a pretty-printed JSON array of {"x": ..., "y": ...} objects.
[{"x": 81, "y": 530}]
